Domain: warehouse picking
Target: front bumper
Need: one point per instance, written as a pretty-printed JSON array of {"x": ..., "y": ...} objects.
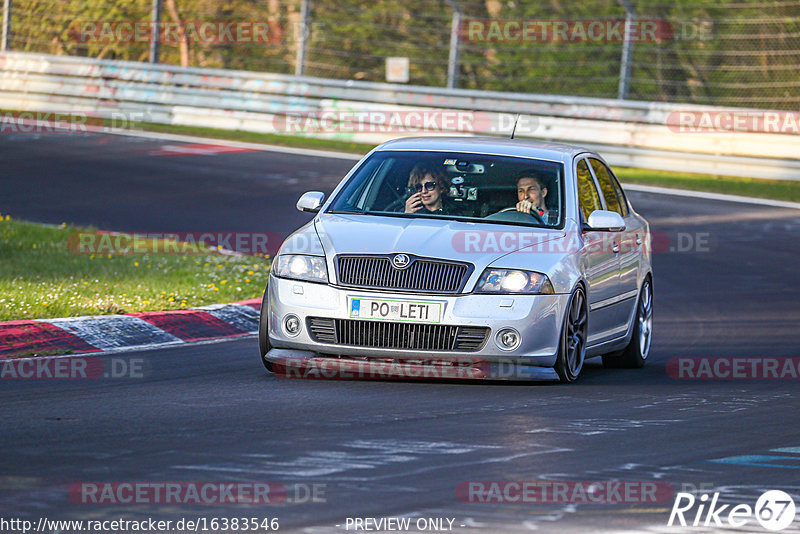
[{"x": 537, "y": 318}]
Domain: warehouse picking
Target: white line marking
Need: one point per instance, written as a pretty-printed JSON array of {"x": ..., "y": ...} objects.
[{"x": 240, "y": 144}]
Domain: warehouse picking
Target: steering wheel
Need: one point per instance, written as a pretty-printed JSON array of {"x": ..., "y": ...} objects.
[
  {"x": 398, "y": 205},
  {"x": 533, "y": 214}
]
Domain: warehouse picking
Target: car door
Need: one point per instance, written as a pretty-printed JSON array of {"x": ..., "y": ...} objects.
[
  {"x": 601, "y": 262},
  {"x": 628, "y": 242}
]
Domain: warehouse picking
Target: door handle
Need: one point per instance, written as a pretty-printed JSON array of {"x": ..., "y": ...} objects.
[{"x": 615, "y": 247}]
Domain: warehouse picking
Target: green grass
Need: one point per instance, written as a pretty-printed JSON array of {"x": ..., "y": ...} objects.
[
  {"x": 749, "y": 187},
  {"x": 41, "y": 277}
]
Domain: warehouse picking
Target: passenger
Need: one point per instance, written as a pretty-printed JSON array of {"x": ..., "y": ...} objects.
[
  {"x": 531, "y": 195},
  {"x": 431, "y": 185}
]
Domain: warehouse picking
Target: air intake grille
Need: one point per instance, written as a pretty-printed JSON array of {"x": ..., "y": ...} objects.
[
  {"x": 391, "y": 335},
  {"x": 376, "y": 272}
]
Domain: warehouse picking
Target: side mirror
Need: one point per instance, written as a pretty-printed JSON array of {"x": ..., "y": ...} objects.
[
  {"x": 605, "y": 221},
  {"x": 311, "y": 201}
]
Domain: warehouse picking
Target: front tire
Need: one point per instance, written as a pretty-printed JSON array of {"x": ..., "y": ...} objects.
[
  {"x": 635, "y": 354},
  {"x": 263, "y": 331},
  {"x": 572, "y": 350}
]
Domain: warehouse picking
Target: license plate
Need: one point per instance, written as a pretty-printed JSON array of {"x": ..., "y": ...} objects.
[{"x": 406, "y": 311}]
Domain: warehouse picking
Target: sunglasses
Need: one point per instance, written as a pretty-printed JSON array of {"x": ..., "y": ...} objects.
[{"x": 429, "y": 186}]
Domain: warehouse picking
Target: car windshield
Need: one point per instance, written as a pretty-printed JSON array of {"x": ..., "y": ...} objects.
[{"x": 453, "y": 185}]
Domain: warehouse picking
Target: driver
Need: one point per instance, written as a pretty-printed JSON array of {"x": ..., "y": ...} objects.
[
  {"x": 431, "y": 185},
  {"x": 531, "y": 194}
]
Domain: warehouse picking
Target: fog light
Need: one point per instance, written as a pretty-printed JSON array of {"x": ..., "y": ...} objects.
[
  {"x": 291, "y": 324},
  {"x": 508, "y": 339}
]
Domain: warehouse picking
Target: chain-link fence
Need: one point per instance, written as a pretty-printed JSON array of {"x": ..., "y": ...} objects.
[{"x": 736, "y": 53}]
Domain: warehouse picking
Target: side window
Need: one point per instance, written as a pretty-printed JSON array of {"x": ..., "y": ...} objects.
[
  {"x": 623, "y": 202},
  {"x": 587, "y": 192},
  {"x": 606, "y": 186}
]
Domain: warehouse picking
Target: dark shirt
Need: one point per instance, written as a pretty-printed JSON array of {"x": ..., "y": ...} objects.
[{"x": 448, "y": 208}]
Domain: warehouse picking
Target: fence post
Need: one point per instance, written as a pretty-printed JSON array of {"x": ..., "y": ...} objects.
[
  {"x": 155, "y": 33},
  {"x": 305, "y": 29},
  {"x": 6, "y": 26},
  {"x": 455, "y": 50},
  {"x": 627, "y": 51}
]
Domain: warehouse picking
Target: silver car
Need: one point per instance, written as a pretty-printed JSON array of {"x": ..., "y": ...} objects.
[{"x": 463, "y": 258}]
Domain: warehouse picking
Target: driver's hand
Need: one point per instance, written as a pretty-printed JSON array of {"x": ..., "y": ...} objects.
[
  {"x": 414, "y": 203},
  {"x": 524, "y": 206}
]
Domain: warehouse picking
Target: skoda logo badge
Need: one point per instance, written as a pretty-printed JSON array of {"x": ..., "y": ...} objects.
[{"x": 400, "y": 261}]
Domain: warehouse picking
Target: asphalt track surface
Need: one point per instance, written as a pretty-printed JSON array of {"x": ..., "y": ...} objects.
[{"x": 377, "y": 449}]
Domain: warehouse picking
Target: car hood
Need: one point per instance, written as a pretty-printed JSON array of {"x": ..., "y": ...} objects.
[{"x": 476, "y": 243}]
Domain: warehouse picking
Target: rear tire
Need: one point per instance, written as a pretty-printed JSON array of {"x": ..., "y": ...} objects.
[
  {"x": 263, "y": 331},
  {"x": 635, "y": 354},
  {"x": 572, "y": 349}
]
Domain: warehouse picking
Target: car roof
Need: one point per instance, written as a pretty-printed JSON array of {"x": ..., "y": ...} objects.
[{"x": 487, "y": 145}]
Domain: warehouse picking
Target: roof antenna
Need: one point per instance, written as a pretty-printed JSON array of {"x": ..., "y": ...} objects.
[{"x": 514, "y": 129}]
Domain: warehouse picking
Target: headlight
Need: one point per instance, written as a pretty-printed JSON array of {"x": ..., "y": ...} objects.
[
  {"x": 301, "y": 267},
  {"x": 514, "y": 281}
]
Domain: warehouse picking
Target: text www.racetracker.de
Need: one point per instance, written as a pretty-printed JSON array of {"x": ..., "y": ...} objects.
[{"x": 110, "y": 526}]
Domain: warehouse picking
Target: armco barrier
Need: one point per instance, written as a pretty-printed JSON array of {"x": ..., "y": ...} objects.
[{"x": 627, "y": 133}]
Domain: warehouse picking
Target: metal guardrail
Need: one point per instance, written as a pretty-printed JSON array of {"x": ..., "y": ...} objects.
[{"x": 627, "y": 133}]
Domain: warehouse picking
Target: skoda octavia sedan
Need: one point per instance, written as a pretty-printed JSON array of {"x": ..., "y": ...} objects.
[{"x": 463, "y": 258}]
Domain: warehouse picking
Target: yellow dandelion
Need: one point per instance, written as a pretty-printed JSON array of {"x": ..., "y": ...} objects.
[
  {"x": 250, "y": 272},
  {"x": 170, "y": 299},
  {"x": 136, "y": 264},
  {"x": 247, "y": 280},
  {"x": 216, "y": 289},
  {"x": 224, "y": 282}
]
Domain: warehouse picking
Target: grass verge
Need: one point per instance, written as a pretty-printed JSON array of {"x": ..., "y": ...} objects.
[
  {"x": 788, "y": 190},
  {"x": 41, "y": 278}
]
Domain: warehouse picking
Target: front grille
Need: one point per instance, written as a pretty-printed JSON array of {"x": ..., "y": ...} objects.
[
  {"x": 391, "y": 335},
  {"x": 376, "y": 272}
]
